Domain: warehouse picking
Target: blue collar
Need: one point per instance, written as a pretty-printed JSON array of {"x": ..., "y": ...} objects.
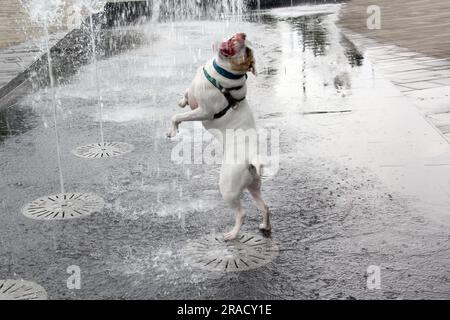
[{"x": 225, "y": 73}]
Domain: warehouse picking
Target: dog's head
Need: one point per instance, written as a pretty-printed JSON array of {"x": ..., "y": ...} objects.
[{"x": 237, "y": 52}]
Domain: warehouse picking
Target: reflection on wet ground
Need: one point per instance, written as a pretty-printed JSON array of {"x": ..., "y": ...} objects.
[{"x": 15, "y": 120}]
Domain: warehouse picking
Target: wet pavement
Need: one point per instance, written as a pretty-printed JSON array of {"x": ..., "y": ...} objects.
[
  {"x": 424, "y": 79},
  {"x": 362, "y": 178},
  {"x": 420, "y": 69}
]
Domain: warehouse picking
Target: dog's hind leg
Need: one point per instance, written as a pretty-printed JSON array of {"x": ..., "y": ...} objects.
[
  {"x": 255, "y": 191},
  {"x": 233, "y": 180},
  {"x": 235, "y": 203}
]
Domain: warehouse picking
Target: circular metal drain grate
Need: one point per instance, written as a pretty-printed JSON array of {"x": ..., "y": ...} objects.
[
  {"x": 105, "y": 150},
  {"x": 21, "y": 290},
  {"x": 214, "y": 254},
  {"x": 63, "y": 206}
]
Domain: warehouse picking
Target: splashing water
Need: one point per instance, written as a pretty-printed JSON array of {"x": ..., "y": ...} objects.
[
  {"x": 156, "y": 10},
  {"x": 233, "y": 7},
  {"x": 45, "y": 13},
  {"x": 97, "y": 79},
  {"x": 196, "y": 9},
  {"x": 93, "y": 6}
]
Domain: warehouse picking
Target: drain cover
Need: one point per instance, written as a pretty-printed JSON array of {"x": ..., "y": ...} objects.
[
  {"x": 63, "y": 206},
  {"x": 103, "y": 150},
  {"x": 21, "y": 290},
  {"x": 214, "y": 254}
]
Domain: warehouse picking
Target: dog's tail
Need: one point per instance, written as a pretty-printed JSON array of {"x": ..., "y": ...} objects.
[{"x": 256, "y": 167}]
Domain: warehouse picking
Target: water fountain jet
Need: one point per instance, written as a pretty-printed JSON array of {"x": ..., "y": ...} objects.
[
  {"x": 47, "y": 13},
  {"x": 102, "y": 149}
]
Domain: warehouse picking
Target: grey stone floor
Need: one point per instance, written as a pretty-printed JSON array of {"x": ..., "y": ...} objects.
[{"x": 368, "y": 186}]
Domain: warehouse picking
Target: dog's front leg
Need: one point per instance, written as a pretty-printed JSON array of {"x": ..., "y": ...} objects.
[
  {"x": 199, "y": 114},
  {"x": 185, "y": 100}
]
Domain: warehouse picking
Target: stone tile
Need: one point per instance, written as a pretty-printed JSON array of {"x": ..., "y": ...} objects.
[
  {"x": 442, "y": 92},
  {"x": 405, "y": 89},
  {"x": 441, "y": 68},
  {"x": 440, "y": 119},
  {"x": 437, "y": 63},
  {"x": 444, "y": 128},
  {"x": 407, "y": 54},
  {"x": 417, "y": 74},
  {"x": 402, "y": 62},
  {"x": 406, "y": 78},
  {"x": 8, "y": 67},
  {"x": 442, "y": 81},
  {"x": 402, "y": 68},
  {"x": 430, "y": 107}
]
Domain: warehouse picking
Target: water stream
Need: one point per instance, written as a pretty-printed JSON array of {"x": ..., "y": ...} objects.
[{"x": 44, "y": 14}]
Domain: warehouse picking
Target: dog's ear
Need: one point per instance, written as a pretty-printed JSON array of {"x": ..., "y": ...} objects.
[
  {"x": 251, "y": 61},
  {"x": 215, "y": 47}
]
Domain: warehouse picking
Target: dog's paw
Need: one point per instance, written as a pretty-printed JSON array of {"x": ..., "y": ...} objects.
[
  {"x": 232, "y": 235},
  {"x": 171, "y": 133},
  {"x": 182, "y": 103},
  {"x": 173, "y": 128},
  {"x": 265, "y": 227}
]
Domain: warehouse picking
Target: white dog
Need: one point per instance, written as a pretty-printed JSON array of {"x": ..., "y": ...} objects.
[{"x": 217, "y": 98}]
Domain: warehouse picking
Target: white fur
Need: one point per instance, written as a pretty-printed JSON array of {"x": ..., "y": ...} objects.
[{"x": 206, "y": 101}]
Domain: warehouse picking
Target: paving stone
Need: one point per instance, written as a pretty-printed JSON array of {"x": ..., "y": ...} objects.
[
  {"x": 442, "y": 81},
  {"x": 440, "y": 119},
  {"x": 437, "y": 63},
  {"x": 421, "y": 85}
]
